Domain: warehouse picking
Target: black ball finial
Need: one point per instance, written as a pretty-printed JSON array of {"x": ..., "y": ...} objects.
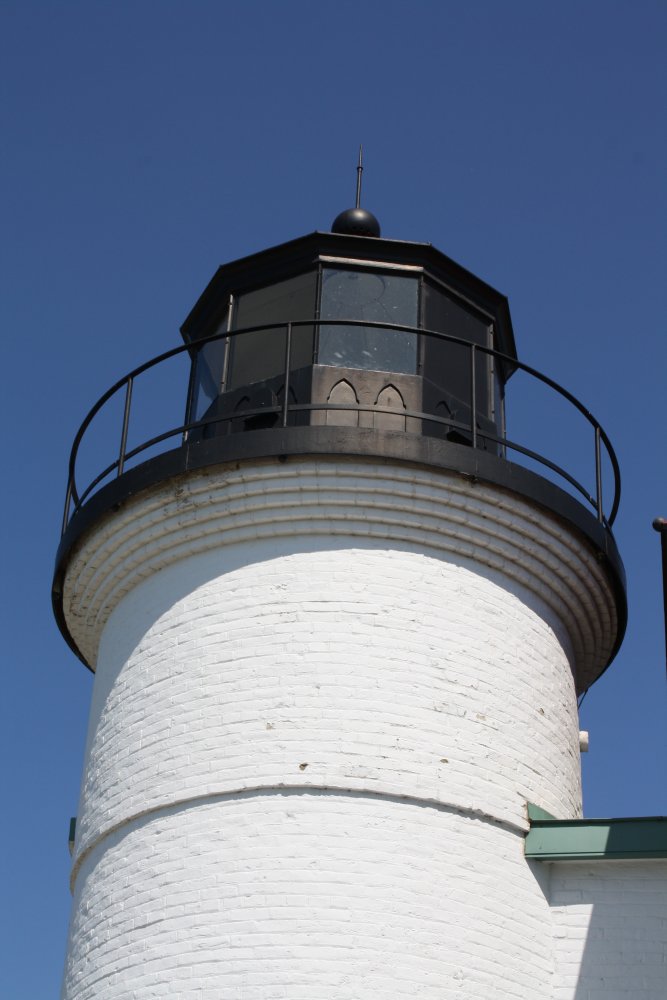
[{"x": 356, "y": 222}]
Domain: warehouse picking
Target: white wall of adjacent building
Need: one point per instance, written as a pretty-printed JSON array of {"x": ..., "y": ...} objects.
[{"x": 610, "y": 929}]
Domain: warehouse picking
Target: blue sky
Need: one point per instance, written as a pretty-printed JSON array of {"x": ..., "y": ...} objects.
[{"x": 145, "y": 143}]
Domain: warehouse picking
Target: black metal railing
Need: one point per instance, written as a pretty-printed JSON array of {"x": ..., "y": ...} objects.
[{"x": 601, "y": 447}]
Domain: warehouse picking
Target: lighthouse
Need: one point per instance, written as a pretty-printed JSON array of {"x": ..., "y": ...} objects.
[{"x": 338, "y": 628}]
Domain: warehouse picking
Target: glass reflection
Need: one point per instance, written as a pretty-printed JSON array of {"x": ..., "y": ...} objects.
[{"x": 374, "y": 297}]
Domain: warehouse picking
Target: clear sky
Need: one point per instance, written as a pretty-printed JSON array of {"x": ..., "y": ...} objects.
[{"x": 146, "y": 142}]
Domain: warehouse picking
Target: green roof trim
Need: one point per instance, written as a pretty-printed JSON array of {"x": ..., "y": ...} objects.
[
  {"x": 552, "y": 839},
  {"x": 536, "y": 812}
]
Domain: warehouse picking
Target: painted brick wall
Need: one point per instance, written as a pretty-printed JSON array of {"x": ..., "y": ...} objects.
[
  {"x": 309, "y": 896},
  {"x": 366, "y": 650},
  {"x": 610, "y": 930},
  {"x": 386, "y": 670}
]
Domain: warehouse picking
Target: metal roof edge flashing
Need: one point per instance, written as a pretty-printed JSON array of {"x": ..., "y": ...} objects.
[{"x": 633, "y": 838}]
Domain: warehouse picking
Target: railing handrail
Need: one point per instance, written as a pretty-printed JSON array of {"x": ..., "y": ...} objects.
[{"x": 127, "y": 382}]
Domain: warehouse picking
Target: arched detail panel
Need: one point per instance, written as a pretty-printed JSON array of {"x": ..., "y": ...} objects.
[
  {"x": 391, "y": 398},
  {"x": 343, "y": 394}
]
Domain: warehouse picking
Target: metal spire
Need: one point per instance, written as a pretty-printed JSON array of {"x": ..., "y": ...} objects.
[{"x": 360, "y": 170}]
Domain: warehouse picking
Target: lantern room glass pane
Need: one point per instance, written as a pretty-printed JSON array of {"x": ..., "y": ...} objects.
[
  {"x": 377, "y": 298},
  {"x": 209, "y": 368},
  {"x": 260, "y": 355},
  {"x": 447, "y": 364}
]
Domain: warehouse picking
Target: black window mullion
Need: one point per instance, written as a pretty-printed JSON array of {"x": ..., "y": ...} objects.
[
  {"x": 421, "y": 344},
  {"x": 228, "y": 341},
  {"x": 318, "y": 311}
]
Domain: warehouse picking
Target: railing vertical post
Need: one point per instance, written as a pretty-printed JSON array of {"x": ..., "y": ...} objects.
[
  {"x": 288, "y": 358},
  {"x": 660, "y": 525},
  {"x": 191, "y": 391},
  {"x": 126, "y": 424},
  {"x": 503, "y": 425},
  {"x": 473, "y": 396},
  {"x": 68, "y": 501},
  {"x": 598, "y": 474}
]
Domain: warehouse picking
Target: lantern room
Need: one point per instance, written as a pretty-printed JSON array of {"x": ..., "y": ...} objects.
[{"x": 350, "y": 330}]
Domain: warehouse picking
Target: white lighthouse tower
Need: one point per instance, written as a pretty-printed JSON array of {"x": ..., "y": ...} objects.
[{"x": 338, "y": 633}]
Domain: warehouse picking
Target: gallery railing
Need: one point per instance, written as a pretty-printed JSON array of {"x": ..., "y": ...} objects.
[{"x": 285, "y": 408}]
